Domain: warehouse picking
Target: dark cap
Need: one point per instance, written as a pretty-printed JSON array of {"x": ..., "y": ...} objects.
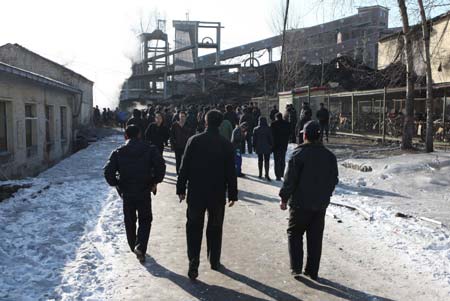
[{"x": 312, "y": 130}]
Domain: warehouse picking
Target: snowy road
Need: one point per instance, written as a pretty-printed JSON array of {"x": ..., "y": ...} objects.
[{"x": 64, "y": 239}]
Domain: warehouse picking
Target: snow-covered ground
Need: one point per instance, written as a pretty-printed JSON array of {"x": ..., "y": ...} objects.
[
  {"x": 417, "y": 185},
  {"x": 63, "y": 238},
  {"x": 43, "y": 227}
]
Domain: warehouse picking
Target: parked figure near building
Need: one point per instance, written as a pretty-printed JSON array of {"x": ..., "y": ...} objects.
[
  {"x": 323, "y": 116},
  {"x": 305, "y": 116},
  {"x": 281, "y": 132},
  {"x": 208, "y": 168},
  {"x": 180, "y": 133},
  {"x": 309, "y": 182},
  {"x": 247, "y": 117},
  {"x": 137, "y": 121},
  {"x": 135, "y": 169},
  {"x": 273, "y": 112},
  {"x": 226, "y": 129},
  {"x": 263, "y": 143},
  {"x": 237, "y": 138},
  {"x": 157, "y": 133}
]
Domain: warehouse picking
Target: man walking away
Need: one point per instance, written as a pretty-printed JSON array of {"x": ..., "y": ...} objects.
[
  {"x": 157, "y": 133},
  {"x": 180, "y": 134},
  {"x": 281, "y": 132},
  {"x": 309, "y": 182},
  {"x": 135, "y": 169},
  {"x": 208, "y": 170},
  {"x": 263, "y": 143},
  {"x": 324, "y": 118},
  {"x": 236, "y": 139}
]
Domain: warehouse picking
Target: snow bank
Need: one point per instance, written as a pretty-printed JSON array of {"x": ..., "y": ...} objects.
[{"x": 43, "y": 226}]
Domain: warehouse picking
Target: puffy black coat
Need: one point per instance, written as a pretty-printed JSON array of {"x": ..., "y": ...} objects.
[
  {"x": 281, "y": 131},
  {"x": 323, "y": 116},
  {"x": 157, "y": 135},
  {"x": 134, "y": 167},
  {"x": 208, "y": 170},
  {"x": 180, "y": 135},
  {"x": 262, "y": 137},
  {"x": 311, "y": 177}
]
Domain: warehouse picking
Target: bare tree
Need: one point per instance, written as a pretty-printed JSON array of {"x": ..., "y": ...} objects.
[
  {"x": 408, "y": 126},
  {"x": 429, "y": 77}
]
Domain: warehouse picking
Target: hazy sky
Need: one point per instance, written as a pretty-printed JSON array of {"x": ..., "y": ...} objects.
[{"x": 95, "y": 37}]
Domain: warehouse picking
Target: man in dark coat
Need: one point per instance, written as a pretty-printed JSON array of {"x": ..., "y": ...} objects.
[
  {"x": 157, "y": 133},
  {"x": 309, "y": 182},
  {"x": 273, "y": 112},
  {"x": 324, "y": 118},
  {"x": 281, "y": 132},
  {"x": 247, "y": 117},
  {"x": 135, "y": 169},
  {"x": 231, "y": 116},
  {"x": 209, "y": 172},
  {"x": 180, "y": 133},
  {"x": 263, "y": 144},
  {"x": 305, "y": 116},
  {"x": 137, "y": 121}
]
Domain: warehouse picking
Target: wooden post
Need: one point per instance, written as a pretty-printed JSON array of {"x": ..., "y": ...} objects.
[
  {"x": 384, "y": 115},
  {"x": 353, "y": 113}
]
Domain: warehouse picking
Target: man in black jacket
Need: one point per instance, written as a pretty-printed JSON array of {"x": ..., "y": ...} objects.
[
  {"x": 137, "y": 121},
  {"x": 157, "y": 133},
  {"x": 179, "y": 135},
  {"x": 324, "y": 118},
  {"x": 309, "y": 182},
  {"x": 135, "y": 169},
  {"x": 281, "y": 131},
  {"x": 209, "y": 171}
]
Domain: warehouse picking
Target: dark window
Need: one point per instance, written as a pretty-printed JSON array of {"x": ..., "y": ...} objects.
[
  {"x": 3, "y": 128},
  {"x": 63, "y": 123},
  {"x": 31, "y": 129}
]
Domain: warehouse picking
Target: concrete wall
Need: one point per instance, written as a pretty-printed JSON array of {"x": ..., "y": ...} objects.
[
  {"x": 391, "y": 50},
  {"x": 20, "y": 57},
  {"x": 19, "y": 161}
]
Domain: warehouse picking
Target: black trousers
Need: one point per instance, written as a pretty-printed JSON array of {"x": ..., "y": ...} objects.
[
  {"x": 324, "y": 128},
  {"x": 140, "y": 211},
  {"x": 178, "y": 157},
  {"x": 248, "y": 140},
  {"x": 194, "y": 233},
  {"x": 264, "y": 158},
  {"x": 279, "y": 157},
  {"x": 313, "y": 223}
]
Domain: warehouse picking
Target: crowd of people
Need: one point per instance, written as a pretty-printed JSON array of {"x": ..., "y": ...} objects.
[
  {"x": 208, "y": 165},
  {"x": 243, "y": 126}
]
